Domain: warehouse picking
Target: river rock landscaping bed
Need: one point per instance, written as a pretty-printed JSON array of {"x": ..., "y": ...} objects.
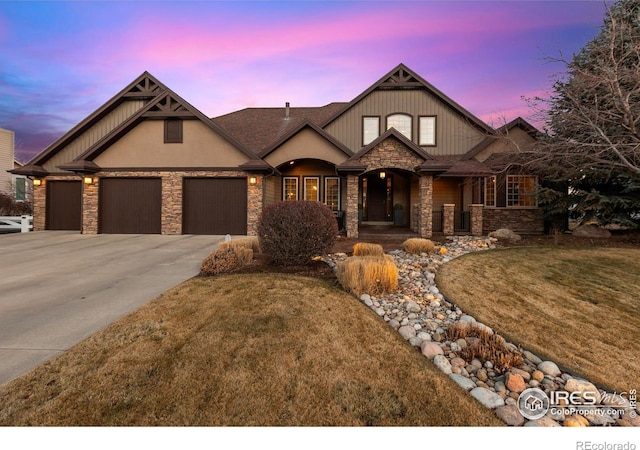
[{"x": 422, "y": 315}]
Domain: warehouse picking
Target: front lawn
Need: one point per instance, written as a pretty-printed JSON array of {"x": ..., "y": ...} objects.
[
  {"x": 578, "y": 307},
  {"x": 245, "y": 349}
]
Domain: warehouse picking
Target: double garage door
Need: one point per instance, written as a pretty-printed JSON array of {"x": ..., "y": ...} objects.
[{"x": 134, "y": 206}]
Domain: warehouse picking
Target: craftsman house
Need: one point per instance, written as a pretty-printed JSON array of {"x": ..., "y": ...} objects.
[{"x": 401, "y": 153}]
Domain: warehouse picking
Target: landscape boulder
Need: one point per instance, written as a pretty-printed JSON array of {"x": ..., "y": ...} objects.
[
  {"x": 591, "y": 231},
  {"x": 505, "y": 234}
]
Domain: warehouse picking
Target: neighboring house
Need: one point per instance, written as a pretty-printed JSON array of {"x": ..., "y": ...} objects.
[
  {"x": 17, "y": 186},
  {"x": 149, "y": 162}
]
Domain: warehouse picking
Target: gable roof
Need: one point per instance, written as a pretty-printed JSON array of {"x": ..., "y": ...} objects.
[
  {"x": 353, "y": 163},
  {"x": 401, "y": 77},
  {"x": 166, "y": 105},
  {"x": 301, "y": 126},
  {"x": 146, "y": 86},
  {"x": 500, "y": 133},
  {"x": 259, "y": 128}
]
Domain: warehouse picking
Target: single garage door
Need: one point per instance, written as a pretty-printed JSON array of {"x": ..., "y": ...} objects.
[
  {"x": 130, "y": 205},
  {"x": 214, "y": 206},
  {"x": 64, "y": 205}
]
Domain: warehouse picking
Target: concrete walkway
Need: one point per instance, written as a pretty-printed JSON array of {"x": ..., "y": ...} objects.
[{"x": 57, "y": 288}]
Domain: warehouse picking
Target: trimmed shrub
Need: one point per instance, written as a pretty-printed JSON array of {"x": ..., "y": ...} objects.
[
  {"x": 365, "y": 249},
  {"x": 418, "y": 245},
  {"x": 10, "y": 207},
  {"x": 225, "y": 260},
  {"x": 372, "y": 275},
  {"x": 294, "y": 232}
]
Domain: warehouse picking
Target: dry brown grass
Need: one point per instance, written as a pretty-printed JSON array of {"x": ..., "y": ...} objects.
[
  {"x": 367, "y": 249},
  {"x": 252, "y": 243},
  {"x": 372, "y": 275},
  {"x": 260, "y": 349},
  {"x": 578, "y": 307},
  {"x": 418, "y": 245}
]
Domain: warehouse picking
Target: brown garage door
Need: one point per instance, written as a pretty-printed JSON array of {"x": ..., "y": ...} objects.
[
  {"x": 130, "y": 205},
  {"x": 64, "y": 205},
  {"x": 214, "y": 206}
]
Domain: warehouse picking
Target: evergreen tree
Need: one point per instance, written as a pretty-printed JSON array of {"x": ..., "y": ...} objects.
[{"x": 593, "y": 124}]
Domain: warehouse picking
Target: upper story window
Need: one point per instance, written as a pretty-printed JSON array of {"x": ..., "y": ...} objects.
[
  {"x": 427, "y": 126},
  {"x": 370, "y": 129},
  {"x": 401, "y": 122},
  {"x": 173, "y": 131},
  {"x": 522, "y": 191}
]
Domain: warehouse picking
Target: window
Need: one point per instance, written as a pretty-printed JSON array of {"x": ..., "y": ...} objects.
[
  {"x": 490, "y": 191},
  {"x": 521, "y": 191},
  {"x": 332, "y": 192},
  {"x": 370, "y": 129},
  {"x": 173, "y": 131},
  {"x": 311, "y": 189},
  {"x": 290, "y": 189},
  {"x": 427, "y": 131},
  {"x": 401, "y": 122},
  {"x": 21, "y": 189}
]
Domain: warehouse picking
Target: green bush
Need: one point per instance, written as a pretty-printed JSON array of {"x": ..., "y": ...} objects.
[{"x": 294, "y": 232}]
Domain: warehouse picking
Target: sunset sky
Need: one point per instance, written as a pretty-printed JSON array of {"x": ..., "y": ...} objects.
[{"x": 60, "y": 61}]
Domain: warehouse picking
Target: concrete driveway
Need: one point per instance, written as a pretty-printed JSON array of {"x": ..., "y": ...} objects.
[{"x": 57, "y": 287}]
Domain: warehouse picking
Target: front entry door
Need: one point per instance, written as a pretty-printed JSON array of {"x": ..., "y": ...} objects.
[{"x": 379, "y": 198}]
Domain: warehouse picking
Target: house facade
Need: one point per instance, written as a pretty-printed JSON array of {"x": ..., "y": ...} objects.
[
  {"x": 401, "y": 153},
  {"x": 14, "y": 185}
]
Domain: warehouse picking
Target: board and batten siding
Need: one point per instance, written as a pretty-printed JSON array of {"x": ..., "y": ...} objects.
[
  {"x": 6, "y": 160},
  {"x": 446, "y": 191},
  {"x": 454, "y": 134},
  {"x": 107, "y": 124}
]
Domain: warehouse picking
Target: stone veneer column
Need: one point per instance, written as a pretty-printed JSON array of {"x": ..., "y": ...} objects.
[
  {"x": 351, "y": 219},
  {"x": 476, "y": 219},
  {"x": 255, "y": 194},
  {"x": 426, "y": 205},
  {"x": 90, "y": 193},
  {"x": 448, "y": 218},
  {"x": 39, "y": 206},
  {"x": 171, "y": 203}
]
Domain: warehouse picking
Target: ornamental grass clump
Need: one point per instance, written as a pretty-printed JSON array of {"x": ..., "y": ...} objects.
[
  {"x": 366, "y": 249},
  {"x": 484, "y": 345},
  {"x": 416, "y": 246},
  {"x": 248, "y": 242},
  {"x": 374, "y": 275},
  {"x": 294, "y": 232}
]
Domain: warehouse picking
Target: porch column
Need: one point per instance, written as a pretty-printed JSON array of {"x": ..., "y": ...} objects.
[
  {"x": 426, "y": 205},
  {"x": 39, "y": 206},
  {"x": 255, "y": 193},
  {"x": 476, "y": 219},
  {"x": 351, "y": 219},
  {"x": 448, "y": 218},
  {"x": 90, "y": 207}
]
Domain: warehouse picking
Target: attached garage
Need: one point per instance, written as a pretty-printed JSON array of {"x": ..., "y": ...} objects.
[
  {"x": 130, "y": 205},
  {"x": 214, "y": 206},
  {"x": 64, "y": 205}
]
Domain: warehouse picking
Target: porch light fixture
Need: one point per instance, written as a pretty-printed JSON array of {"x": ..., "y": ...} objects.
[
  {"x": 253, "y": 180},
  {"x": 37, "y": 181},
  {"x": 382, "y": 175},
  {"x": 87, "y": 180}
]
